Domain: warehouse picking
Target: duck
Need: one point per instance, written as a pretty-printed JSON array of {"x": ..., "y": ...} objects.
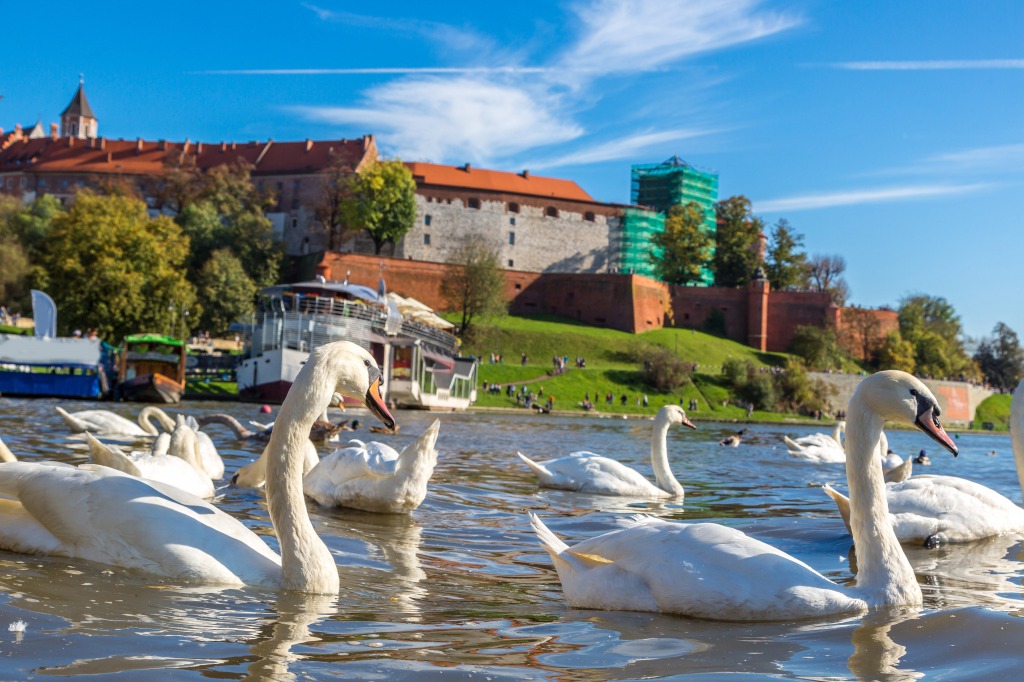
[
  {"x": 586, "y": 472},
  {"x": 706, "y": 570},
  {"x": 174, "y": 460},
  {"x": 381, "y": 429},
  {"x": 373, "y": 476},
  {"x": 95, "y": 513},
  {"x": 733, "y": 440},
  {"x": 936, "y": 510},
  {"x": 922, "y": 459}
]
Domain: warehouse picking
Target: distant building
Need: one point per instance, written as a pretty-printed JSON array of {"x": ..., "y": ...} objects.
[
  {"x": 535, "y": 223},
  {"x": 77, "y": 119},
  {"x": 661, "y": 186}
]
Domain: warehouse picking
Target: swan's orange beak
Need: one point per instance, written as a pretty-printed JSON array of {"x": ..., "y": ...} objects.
[
  {"x": 375, "y": 403},
  {"x": 686, "y": 422},
  {"x": 928, "y": 422}
]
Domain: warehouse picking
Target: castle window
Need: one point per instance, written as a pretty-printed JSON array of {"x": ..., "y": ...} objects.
[
  {"x": 473, "y": 202},
  {"x": 512, "y": 221},
  {"x": 589, "y": 216},
  {"x": 295, "y": 223},
  {"x": 42, "y": 183},
  {"x": 513, "y": 207},
  {"x": 426, "y": 219},
  {"x": 551, "y": 212},
  {"x": 426, "y": 240},
  {"x": 512, "y": 238},
  {"x": 510, "y": 262}
]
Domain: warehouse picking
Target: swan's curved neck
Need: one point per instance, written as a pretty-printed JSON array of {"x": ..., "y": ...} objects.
[
  {"x": 150, "y": 411},
  {"x": 883, "y": 573},
  {"x": 306, "y": 563},
  {"x": 659, "y": 458},
  {"x": 837, "y": 433},
  {"x": 1017, "y": 434}
]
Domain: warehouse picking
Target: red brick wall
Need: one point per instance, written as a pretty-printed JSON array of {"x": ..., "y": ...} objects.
[{"x": 630, "y": 303}]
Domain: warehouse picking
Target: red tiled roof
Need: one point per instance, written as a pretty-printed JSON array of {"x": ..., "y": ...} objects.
[
  {"x": 141, "y": 157},
  {"x": 465, "y": 177}
]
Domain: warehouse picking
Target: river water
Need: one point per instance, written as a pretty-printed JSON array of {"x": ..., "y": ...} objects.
[{"x": 460, "y": 589}]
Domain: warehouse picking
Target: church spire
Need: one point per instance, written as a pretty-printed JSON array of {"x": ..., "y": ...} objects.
[{"x": 77, "y": 119}]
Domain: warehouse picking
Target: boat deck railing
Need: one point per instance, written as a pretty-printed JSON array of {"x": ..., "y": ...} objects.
[{"x": 316, "y": 321}]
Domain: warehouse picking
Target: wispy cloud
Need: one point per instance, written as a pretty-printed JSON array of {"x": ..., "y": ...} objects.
[
  {"x": 622, "y": 148},
  {"x": 628, "y": 36},
  {"x": 461, "y": 119},
  {"x": 396, "y": 70},
  {"x": 807, "y": 202},
  {"x": 452, "y": 37},
  {"x": 1002, "y": 159},
  {"x": 933, "y": 65}
]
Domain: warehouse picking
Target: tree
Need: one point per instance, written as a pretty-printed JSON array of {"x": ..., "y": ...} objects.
[
  {"x": 226, "y": 290},
  {"x": 115, "y": 269},
  {"x": 825, "y": 275},
  {"x": 32, "y": 224},
  {"x": 1000, "y": 358},
  {"x": 818, "y": 346},
  {"x": 474, "y": 284},
  {"x": 737, "y": 239},
  {"x": 14, "y": 271},
  {"x": 896, "y": 353},
  {"x": 684, "y": 248},
  {"x": 786, "y": 264},
  {"x": 860, "y": 332},
  {"x": 663, "y": 369},
  {"x": 333, "y": 189},
  {"x": 380, "y": 199},
  {"x": 932, "y": 325}
]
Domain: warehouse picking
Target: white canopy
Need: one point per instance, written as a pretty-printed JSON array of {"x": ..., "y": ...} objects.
[{"x": 29, "y": 350}]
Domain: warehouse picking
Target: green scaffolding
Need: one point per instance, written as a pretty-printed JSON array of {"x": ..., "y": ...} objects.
[{"x": 661, "y": 186}]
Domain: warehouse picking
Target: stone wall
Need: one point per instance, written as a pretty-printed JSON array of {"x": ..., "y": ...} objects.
[
  {"x": 958, "y": 400},
  {"x": 577, "y": 239}
]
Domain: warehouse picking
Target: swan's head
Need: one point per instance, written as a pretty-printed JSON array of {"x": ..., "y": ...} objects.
[
  {"x": 358, "y": 376},
  {"x": 675, "y": 415},
  {"x": 899, "y": 397}
]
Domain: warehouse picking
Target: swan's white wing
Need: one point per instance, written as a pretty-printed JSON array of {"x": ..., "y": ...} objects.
[
  {"x": 95, "y": 513},
  {"x": 821, "y": 454},
  {"x": 701, "y": 569},
  {"x": 950, "y": 509},
  {"x": 362, "y": 476},
  {"x": 587, "y": 472},
  {"x": 100, "y": 421}
]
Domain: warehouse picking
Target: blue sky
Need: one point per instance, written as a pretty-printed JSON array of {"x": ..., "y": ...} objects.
[{"x": 891, "y": 133}]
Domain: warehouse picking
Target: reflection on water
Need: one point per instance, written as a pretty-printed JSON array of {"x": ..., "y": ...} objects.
[{"x": 461, "y": 589}]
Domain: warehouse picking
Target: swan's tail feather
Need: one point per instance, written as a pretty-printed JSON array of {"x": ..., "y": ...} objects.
[
  {"x": 548, "y": 540},
  {"x": 5, "y": 453},
  {"x": 900, "y": 473},
  {"x": 73, "y": 424},
  {"x": 539, "y": 469},
  {"x": 792, "y": 444},
  {"x": 110, "y": 456},
  {"x": 842, "y": 503}
]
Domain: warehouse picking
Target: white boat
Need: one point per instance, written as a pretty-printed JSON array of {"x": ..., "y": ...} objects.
[{"x": 421, "y": 362}]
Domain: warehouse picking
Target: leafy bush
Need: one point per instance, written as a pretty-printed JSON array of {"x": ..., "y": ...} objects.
[
  {"x": 663, "y": 369},
  {"x": 818, "y": 346}
]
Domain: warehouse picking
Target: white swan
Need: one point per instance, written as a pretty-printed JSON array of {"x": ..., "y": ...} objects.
[
  {"x": 938, "y": 509},
  {"x": 103, "y": 422},
  {"x": 374, "y": 477},
  {"x": 716, "y": 572},
  {"x": 213, "y": 465},
  {"x": 174, "y": 460},
  {"x": 824, "y": 439},
  {"x": 95, "y": 513},
  {"x": 586, "y": 472}
]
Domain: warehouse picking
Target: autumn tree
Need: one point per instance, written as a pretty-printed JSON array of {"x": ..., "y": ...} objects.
[
  {"x": 334, "y": 185},
  {"x": 228, "y": 292},
  {"x": 683, "y": 250},
  {"x": 380, "y": 199},
  {"x": 860, "y": 333},
  {"x": 932, "y": 326},
  {"x": 1000, "y": 358},
  {"x": 474, "y": 284},
  {"x": 895, "y": 352},
  {"x": 737, "y": 241},
  {"x": 825, "y": 275},
  {"x": 785, "y": 262},
  {"x": 115, "y": 269}
]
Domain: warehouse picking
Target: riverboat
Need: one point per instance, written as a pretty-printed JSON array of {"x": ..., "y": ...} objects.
[
  {"x": 152, "y": 369},
  {"x": 420, "y": 360},
  {"x": 58, "y": 367}
]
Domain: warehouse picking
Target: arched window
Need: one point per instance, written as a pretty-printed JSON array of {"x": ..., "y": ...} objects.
[{"x": 551, "y": 212}]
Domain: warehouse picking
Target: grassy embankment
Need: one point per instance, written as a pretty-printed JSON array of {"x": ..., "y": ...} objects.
[
  {"x": 994, "y": 409},
  {"x": 611, "y": 366}
]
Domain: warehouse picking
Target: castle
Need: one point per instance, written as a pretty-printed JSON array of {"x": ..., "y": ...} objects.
[{"x": 563, "y": 251}]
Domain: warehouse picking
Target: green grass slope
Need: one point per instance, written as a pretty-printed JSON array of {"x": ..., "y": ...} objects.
[{"x": 996, "y": 410}]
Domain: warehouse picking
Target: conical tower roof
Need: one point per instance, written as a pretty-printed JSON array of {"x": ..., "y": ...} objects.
[{"x": 79, "y": 105}]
